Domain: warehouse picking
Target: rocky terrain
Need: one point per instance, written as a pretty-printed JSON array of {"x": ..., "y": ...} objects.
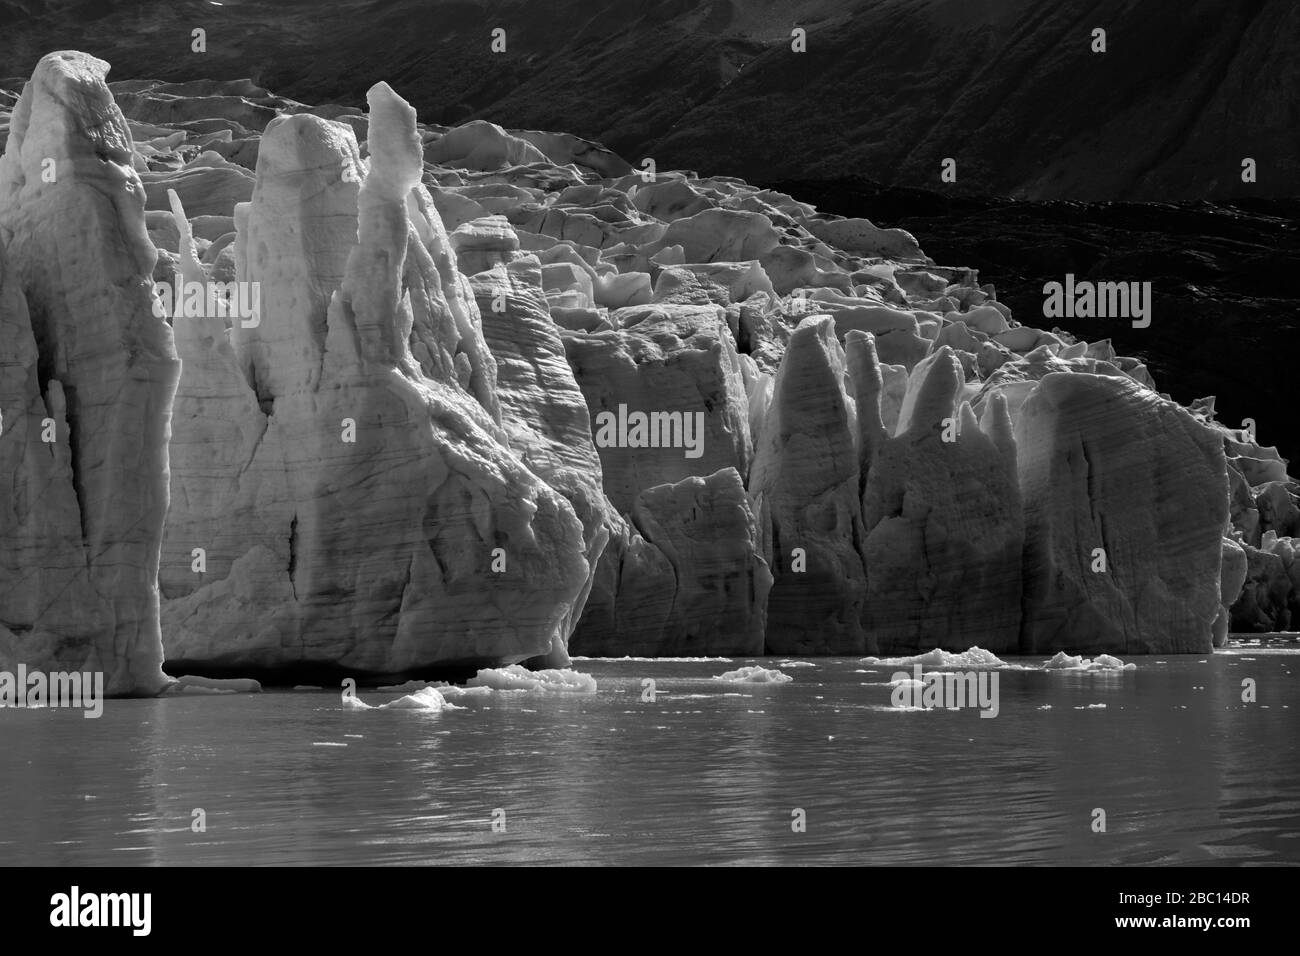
[
  {"x": 1010, "y": 89},
  {"x": 500, "y": 397}
]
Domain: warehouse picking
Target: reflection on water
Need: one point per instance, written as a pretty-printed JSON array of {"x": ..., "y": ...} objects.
[{"x": 709, "y": 773}]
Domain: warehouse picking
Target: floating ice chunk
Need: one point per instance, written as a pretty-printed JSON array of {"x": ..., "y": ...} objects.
[
  {"x": 410, "y": 687},
  {"x": 754, "y": 675},
  {"x": 449, "y": 691},
  {"x": 976, "y": 657},
  {"x": 428, "y": 699},
  {"x": 795, "y": 664},
  {"x": 1104, "y": 662},
  {"x": 906, "y": 682},
  {"x": 515, "y": 677},
  {"x": 455, "y": 692}
]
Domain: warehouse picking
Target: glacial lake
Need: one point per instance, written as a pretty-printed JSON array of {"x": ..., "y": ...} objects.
[{"x": 708, "y": 773}]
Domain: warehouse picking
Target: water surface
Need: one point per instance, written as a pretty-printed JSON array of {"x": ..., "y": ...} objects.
[{"x": 709, "y": 773}]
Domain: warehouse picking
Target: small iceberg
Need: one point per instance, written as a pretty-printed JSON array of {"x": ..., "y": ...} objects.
[
  {"x": 455, "y": 692},
  {"x": 754, "y": 675},
  {"x": 427, "y": 699},
  {"x": 1104, "y": 662},
  {"x": 410, "y": 687},
  {"x": 974, "y": 658},
  {"x": 450, "y": 692},
  {"x": 517, "y": 677}
]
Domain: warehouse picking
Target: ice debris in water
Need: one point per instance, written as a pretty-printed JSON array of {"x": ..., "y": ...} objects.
[
  {"x": 754, "y": 675},
  {"x": 974, "y": 658},
  {"x": 486, "y": 687},
  {"x": 1064, "y": 662},
  {"x": 428, "y": 699},
  {"x": 516, "y": 677},
  {"x": 448, "y": 691}
]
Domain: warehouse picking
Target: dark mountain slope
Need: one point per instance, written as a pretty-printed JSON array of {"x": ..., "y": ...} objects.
[{"x": 887, "y": 89}]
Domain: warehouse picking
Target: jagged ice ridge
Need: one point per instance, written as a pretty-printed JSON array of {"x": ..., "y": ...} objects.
[{"x": 394, "y": 466}]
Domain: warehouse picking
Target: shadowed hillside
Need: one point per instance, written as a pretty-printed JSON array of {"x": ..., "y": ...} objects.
[{"x": 886, "y": 89}]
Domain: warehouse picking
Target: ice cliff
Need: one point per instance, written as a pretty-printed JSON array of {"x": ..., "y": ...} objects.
[
  {"x": 499, "y": 397},
  {"x": 87, "y": 374}
]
